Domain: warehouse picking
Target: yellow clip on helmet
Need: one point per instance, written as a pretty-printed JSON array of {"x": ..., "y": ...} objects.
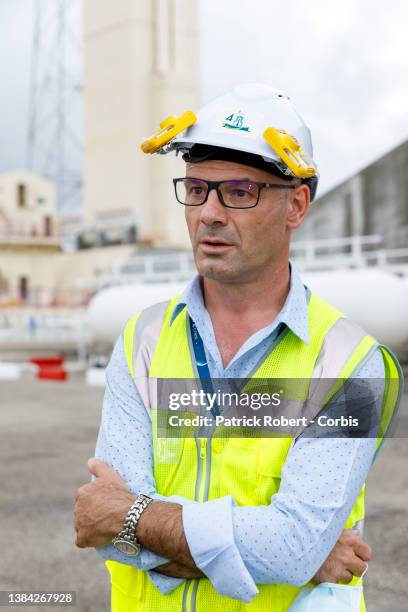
[{"x": 253, "y": 119}]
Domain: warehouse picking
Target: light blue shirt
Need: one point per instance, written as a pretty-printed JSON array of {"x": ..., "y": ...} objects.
[{"x": 238, "y": 547}]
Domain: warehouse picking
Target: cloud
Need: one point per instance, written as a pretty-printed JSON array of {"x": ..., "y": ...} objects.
[{"x": 344, "y": 66}]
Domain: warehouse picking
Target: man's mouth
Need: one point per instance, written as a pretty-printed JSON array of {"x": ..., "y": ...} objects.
[{"x": 214, "y": 246}]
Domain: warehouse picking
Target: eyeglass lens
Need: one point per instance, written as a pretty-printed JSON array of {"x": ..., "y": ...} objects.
[{"x": 237, "y": 194}]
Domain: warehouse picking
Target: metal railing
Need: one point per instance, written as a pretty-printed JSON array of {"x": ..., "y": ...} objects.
[
  {"x": 348, "y": 253},
  {"x": 311, "y": 255},
  {"x": 12, "y": 236},
  {"x": 152, "y": 268},
  {"x": 44, "y": 297},
  {"x": 318, "y": 255}
]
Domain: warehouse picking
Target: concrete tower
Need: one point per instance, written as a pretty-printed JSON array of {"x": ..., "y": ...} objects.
[{"x": 141, "y": 65}]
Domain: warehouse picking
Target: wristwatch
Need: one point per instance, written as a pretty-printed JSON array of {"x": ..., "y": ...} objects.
[{"x": 125, "y": 541}]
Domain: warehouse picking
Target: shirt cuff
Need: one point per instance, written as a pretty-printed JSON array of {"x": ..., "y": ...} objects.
[
  {"x": 165, "y": 584},
  {"x": 210, "y": 537},
  {"x": 145, "y": 561}
]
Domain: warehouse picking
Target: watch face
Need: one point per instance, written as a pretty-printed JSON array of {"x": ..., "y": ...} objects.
[{"x": 126, "y": 547}]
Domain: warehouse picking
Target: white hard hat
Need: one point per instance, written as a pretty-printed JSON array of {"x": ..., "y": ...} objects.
[{"x": 253, "y": 124}]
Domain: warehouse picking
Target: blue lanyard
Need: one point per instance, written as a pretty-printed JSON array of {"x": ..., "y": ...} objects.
[
  {"x": 201, "y": 360},
  {"x": 202, "y": 365}
]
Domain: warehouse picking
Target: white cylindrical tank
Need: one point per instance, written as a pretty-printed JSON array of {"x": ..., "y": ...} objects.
[
  {"x": 109, "y": 309},
  {"x": 375, "y": 299}
]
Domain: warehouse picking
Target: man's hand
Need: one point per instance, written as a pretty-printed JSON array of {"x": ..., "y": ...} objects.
[
  {"x": 348, "y": 558},
  {"x": 100, "y": 511},
  {"x": 101, "y": 506}
]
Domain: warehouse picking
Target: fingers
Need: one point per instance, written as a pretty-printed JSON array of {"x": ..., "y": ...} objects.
[
  {"x": 350, "y": 537},
  {"x": 79, "y": 492},
  {"x": 347, "y": 559},
  {"x": 362, "y": 550},
  {"x": 79, "y": 543},
  {"x": 100, "y": 469},
  {"x": 356, "y": 566},
  {"x": 358, "y": 553},
  {"x": 345, "y": 576},
  {"x": 365, "y": 571},
  {"x": 97, "y": 467}
]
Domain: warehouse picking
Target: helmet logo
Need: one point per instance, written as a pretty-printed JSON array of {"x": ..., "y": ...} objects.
[{"x": 235, "y": 121}]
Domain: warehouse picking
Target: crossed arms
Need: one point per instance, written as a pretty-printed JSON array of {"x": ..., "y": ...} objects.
[{"x": 184, "y": 539}]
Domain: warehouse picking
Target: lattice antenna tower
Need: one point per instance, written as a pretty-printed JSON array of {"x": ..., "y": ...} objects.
[{"x": 55, "y": 117}]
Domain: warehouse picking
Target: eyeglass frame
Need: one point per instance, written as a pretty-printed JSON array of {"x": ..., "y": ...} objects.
[{"x": 215, "y": 185}]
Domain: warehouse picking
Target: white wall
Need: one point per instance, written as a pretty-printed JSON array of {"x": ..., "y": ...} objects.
[
  {"x": 39, "y": 203},
  {"x": 140, "y": 66}
]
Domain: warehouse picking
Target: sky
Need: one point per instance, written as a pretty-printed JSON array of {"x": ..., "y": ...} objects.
[
  {"x": 15, "y": 47},
  {"x": 344, "y": 65}
]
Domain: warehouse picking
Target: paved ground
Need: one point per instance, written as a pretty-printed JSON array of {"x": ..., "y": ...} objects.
[{"x": 47, "y": 433}]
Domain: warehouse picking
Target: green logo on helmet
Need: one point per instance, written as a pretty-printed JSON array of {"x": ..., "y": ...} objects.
[{"x": 235, "y": 122}]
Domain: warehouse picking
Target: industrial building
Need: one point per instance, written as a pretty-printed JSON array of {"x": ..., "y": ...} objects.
[
  {"x": 373, "y": 201},
  {"x": 140, "y": 64},
  {"x": 128, "y": 199},
  {"x": 29, "y": 237}
]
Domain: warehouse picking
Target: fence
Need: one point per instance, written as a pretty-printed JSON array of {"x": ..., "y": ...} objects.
[{"x": 327, "y": 254}]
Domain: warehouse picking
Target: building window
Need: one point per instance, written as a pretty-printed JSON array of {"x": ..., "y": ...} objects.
[
  {"x": 23, "y": 288},
  {"x": 21, "y": 195},
  {"x": 47, "y": 226},
  {"x": 4, "y": 285}
]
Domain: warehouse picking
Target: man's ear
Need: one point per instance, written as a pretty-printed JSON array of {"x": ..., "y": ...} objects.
[{"x": 298, "y": 206}]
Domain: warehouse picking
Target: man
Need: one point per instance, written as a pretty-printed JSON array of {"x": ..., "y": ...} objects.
[{"x": 235, "y": 523}]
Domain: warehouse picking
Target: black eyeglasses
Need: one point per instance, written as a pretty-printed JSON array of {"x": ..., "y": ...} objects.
[{"x": 232, "y": 194}]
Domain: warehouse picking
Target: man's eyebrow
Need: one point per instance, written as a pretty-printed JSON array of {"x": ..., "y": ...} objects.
[
  {"x": 194, "y": 178},
  {"x": 224, "y": 180},
  {"x": 243, "y": 179}
]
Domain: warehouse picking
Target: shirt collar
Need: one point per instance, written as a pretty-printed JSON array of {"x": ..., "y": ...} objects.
[
  {"x": 294, "y": 312},
  {"x": 295, "y": 309},
  {"x": 192, "y": 292}
]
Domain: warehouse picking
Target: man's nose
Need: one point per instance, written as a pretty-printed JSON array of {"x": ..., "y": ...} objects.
[{"x": 212, "y": 211}]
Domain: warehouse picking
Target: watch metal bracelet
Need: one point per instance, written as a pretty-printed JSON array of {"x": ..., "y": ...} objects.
[{"x": 126, "y": 541}]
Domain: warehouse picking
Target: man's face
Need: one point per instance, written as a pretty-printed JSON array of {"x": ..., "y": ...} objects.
[{"x": 236, "y": 245}]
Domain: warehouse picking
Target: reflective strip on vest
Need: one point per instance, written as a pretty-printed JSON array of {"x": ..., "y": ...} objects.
[
  {"x": 146, "y": 334},
  {"x": 339, "y": 344}
]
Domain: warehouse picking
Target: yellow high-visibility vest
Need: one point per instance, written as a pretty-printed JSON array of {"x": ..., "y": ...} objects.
[{"x": 248, "y": 469}]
